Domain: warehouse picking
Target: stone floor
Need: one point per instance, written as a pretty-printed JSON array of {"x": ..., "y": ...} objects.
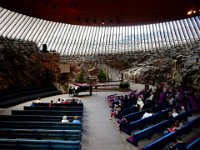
[{"x": 99, "y": 132}]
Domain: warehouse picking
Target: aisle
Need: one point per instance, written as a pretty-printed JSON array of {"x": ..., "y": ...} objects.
[{"x": 99, "y": 132}]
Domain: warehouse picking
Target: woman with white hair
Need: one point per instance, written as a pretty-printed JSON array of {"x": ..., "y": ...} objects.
[{"x": 65, "y": 120}]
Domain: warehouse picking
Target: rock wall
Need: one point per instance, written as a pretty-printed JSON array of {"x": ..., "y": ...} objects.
[
  {"x": 21, "y": 64},
  {"x": 178, "y": 64}
]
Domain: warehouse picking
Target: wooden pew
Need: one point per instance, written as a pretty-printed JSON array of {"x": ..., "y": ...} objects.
[
  {"x": 71, "y": 108},
  {"x": 194, "y": 144},
  {"x": 134, "y": 109},
  {"x": 40, "y": 134},
  {"x": 143, "y": 122},
  {"x": 39, "y": 125},
  {"x": 149, "y": 131},
  {"x": 59, "y": 104},
  {"x": 137, "y": 115},
  {"x": 47, "y": 112},
  {"x": 126, "y": 111},
  {"x": 18, "y": 144},
  {"x": 40, "y": 118},
  {"x": 161, "y": 142}
]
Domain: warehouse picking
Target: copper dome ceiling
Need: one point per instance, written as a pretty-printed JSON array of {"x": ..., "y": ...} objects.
[{"x": 105, "y": 12}]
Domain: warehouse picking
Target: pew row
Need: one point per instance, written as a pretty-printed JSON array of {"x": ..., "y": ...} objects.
[
  {"x": 22, "y": 144},
  {"x": 41, "y": 134},
  {"x": 143, "y": 122},
  {"x": 133, "y": 109},
  {"x": 138, "y": 115},
  {"x": 53, "y": 108},
  {"x": 47, "y": 112},
  {"x": 150, "y": 131},
  {"x": 39, "y": 118},
  {"x": 59, "y": 104},
  {"x": 161, "y": 142},
  {"x": 39, "y": 125}
]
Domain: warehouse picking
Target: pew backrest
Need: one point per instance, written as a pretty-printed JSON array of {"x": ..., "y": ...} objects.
[{"x": 39, "y": 144}]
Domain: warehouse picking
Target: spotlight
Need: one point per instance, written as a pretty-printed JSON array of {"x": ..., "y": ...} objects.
[{"x": 189, "y": 12}]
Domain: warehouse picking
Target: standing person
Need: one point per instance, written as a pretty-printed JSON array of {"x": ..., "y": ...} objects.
[
  {"x": 140, "y": 104},
  {"x": 70, "y": 91}
]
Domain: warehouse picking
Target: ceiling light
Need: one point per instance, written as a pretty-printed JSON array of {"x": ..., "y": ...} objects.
[
  {"x": 194, "y": 11},
  {"x": 189, "y": 12}
]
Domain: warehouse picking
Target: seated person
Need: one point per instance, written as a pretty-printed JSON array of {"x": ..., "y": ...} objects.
[
  {"x": 33, "y": 104},
  {"x": 58, "y": 101},
  {"x": 182, "y": 109},
  {"x": 173, "y": 128},
  {"x": 147, "y": 114},
  {"x": 76, "y": 121},
  {"x": 73, "y": 101},
  {"x": 64, "y": 119},
  {"x": 124, "y": 122},
  {"x": 115, "y": 111},
  {"x": 66, "y": 101},
  {"x": 38, "y": 100},
  {"x": 169, "y": 116},
  {"x": 174, "y": 113},
  {"x": 171, "y": 100},
  {"x": 180, "y": 145},
  {"x": 51, "y": 104}
]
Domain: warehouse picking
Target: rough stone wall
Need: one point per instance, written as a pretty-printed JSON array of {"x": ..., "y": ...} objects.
[
  {"x": 177, "y": 63},
  {"x": 50, "y": 64},
  {"x": 18, "y": 68}
]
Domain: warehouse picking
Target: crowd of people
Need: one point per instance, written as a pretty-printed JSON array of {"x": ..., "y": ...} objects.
[
  {"x": 58, "y": 101},
  {"x": 179, "y": 99}
]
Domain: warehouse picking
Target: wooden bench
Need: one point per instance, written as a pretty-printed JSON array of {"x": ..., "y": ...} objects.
[
  {"x": 126, "y": 111},
  {"x": 22, "y": 95},
  {"x": 59, "y": 104},
  {"x": 143, "y": 122},
  {"x": 138, "y": 115},
  {"x": 39, "y": 125},
  {"x": 40, "y": 134},
  {"x": 149, "y": 131},
  {"x": 18, "y": 144},
  {"x": 161, "y": 142},
  {"x": 47, "y": 112},
  {"x": 40, "y": 118},
  {"x": 134, "y": 109},
  {"x": 71, "y": 108}
]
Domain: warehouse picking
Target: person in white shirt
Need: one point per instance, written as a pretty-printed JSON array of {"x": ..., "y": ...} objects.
[
  {"x": 64, "y": 119},
  {"x": 147, "y": 114},
  {"x": 174, "y": 113},
  {"x": 140, "y": 104},
  {"x": 38, "y": 100},
  {"x": 150, "y": 98}
]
